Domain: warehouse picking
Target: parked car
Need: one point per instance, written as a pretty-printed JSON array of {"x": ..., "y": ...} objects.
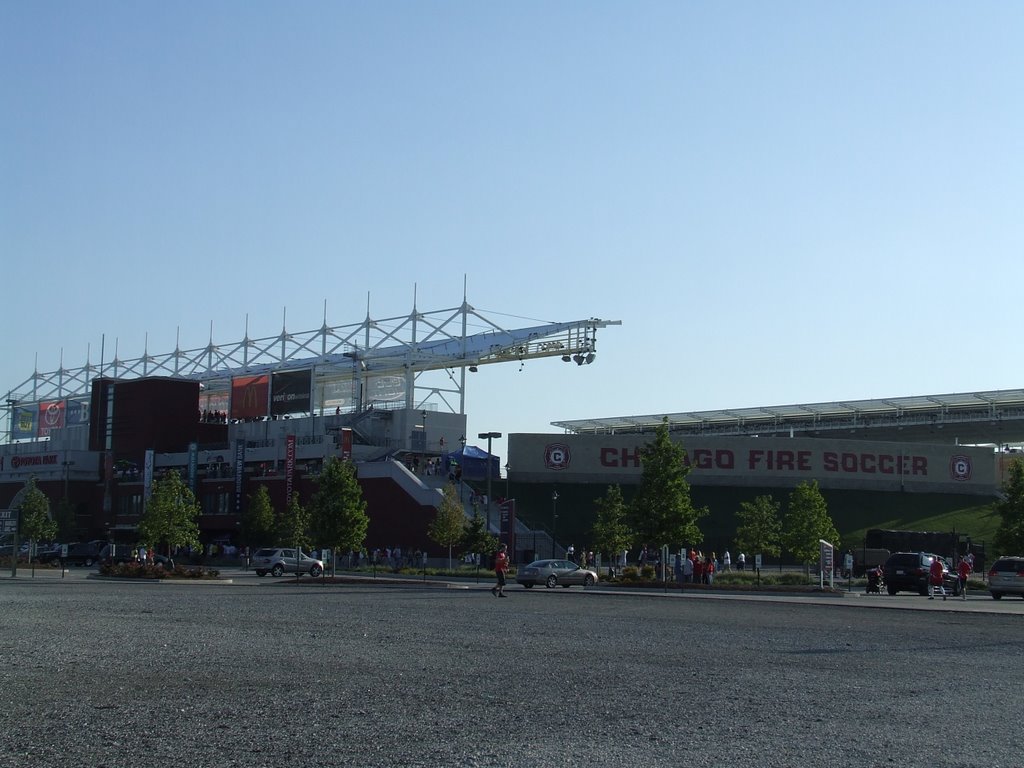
[
  {"x": 85, "y": 553},
  {"x": 281, "y": 560},
  {"x": 909, "y": 572},
  {"x": 49, "y": 554},
  {"x": 552, "y": 573},
  {"x": 1006, "y": 577}
]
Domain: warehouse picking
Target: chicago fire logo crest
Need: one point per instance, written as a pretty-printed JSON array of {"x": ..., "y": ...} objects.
[
  {"x": 556, "y": 456},
  {"x": 960, "y": 468}
]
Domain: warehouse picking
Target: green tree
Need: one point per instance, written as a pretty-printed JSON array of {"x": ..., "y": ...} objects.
[
  {"x": 807, "y": 521},
  {"x": 259, "y": 520},
  {"x": 476, "y": 539},
  {"x": 1009, "y": 538},
  {"x": 171, "y": 516},
  {"x": 448, "y": 526},
  {"x": 338, "y": 511},
  {"x": 293, "y": 525},
  {"x": 34, "y": 515},
  {"x": 760, "y": 529},
  {"x": 663, "y": 511},
  {"x": 611, "y": 532}
]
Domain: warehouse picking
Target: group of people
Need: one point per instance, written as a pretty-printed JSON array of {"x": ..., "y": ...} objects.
[
  {"x": 697, "y": 568},
  {"x": 584, "y": 558},
  {"x": 936, "y": 576}
]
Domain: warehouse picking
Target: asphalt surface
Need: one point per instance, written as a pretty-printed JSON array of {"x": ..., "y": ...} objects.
[{"x": 264, "y": 672}]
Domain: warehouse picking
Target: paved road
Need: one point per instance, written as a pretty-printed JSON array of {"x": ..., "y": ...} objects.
[{"x": 264, "y": 672}]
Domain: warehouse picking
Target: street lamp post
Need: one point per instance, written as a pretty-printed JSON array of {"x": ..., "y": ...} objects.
[
  {"x": 462, "y": 464},
  {"x": 423, "y": 456},
  {"x": 489, "y": 436},
  {"x": 67, "y": 472},
  {"x": 554, "y": 520},
  {"x": 10, "y": 409}
]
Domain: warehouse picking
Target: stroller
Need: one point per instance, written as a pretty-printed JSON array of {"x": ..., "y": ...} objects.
[{"x": 875, "y": 581}]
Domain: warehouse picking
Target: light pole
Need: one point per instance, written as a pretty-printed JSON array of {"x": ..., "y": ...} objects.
[
  {"x": 10, "y": 408},
  {"x": 423, "y": 456},
  {"x": 462, "y": 464},
  {"x": 489, "y": 436},
  {"x": 67, "y": 471},
  {"x": 554, "y": 520}
]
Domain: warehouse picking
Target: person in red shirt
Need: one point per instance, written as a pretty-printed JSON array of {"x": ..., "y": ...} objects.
[
  {"x": 500, "y": 566},
  {"x": 963, "y": 570},
  {"x": 935, "y": 571}
]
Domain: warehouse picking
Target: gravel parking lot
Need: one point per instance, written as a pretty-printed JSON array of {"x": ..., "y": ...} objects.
[{"x": 268, "y": 673}]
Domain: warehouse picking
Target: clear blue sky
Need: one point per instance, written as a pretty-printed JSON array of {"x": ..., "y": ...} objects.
[{"x": 783, "y": 202}]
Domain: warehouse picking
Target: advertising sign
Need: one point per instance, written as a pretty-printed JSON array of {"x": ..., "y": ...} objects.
[
  {"x": 193, "y": 466},
  {"x": 833, "y": 462},
  {"x": 147, "y": 476},
  {"x": 25, "y": 421},
  {"x": 77, "y": 413},
  {"x": 239, "y": 473},
  {"x": 51, "y": 417},
  {"x": 384, "y": 389},
  {"x": 8, "y": 520},
  {"x": 290, "y": 392},
  {"x": 289, "y": 467},
  {"x": 507, "y": 523},
  {"x": 249, "y": 396}
]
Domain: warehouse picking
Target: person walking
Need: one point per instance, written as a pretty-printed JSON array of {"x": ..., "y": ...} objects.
[
  {"x": 500, "y": 566},
  {"x": 726, "y": 561},
  {"x": 963, "y": 571},
  {"x": 935, "y": 571}
]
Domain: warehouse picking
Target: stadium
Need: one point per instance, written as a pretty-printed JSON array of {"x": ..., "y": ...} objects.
[{"x": 389, "y": 394}]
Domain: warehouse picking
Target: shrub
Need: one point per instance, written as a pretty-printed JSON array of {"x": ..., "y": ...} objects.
[{"x": 134, "y": 570}]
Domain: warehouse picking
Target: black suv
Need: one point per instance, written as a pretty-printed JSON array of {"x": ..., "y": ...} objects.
[{"x": 909, "y": 571}]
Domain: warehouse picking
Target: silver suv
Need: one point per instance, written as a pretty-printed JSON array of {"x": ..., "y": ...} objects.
[
  {"x": 1006, "y": 577},
  {"x": 280, "y": 560}
]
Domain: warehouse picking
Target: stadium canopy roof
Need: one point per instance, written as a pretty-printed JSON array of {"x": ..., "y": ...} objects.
[{"x": 990, "y": 417}]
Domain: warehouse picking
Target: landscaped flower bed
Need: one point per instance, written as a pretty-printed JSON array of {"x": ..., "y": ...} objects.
[{"x": 150, "y": 571}]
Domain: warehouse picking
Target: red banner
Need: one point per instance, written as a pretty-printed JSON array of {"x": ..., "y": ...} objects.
[
  {"x": 249, "y": 396},
  {"x": 51, "y": 416}
]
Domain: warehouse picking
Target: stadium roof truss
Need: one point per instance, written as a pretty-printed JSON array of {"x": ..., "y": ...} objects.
[
  {"x": 409, "y": 346},
  {"x": 995, "y": 414}
]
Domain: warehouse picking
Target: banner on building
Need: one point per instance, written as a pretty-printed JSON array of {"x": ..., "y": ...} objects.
[
  {"x": 147, "y": 478},
  {"x": 77, "y": 413},
  {"x": 290, "y": 392},
  {"x": 193, "y": 468},
  {"x": 25, "y": 423},
  {"x": 51, "y": 417},
  {"x": 249, "y": 395},
  {"x": 239, "y": 473},
  {"x": 384, "y": 389},
  {"x": 108, "y": 482},
  {"x": 289, "y": 467},
  {"x": 345, "y": 441},
  {"x": 507, "y": 524}
]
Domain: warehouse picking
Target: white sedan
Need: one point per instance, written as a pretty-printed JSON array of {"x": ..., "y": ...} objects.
[{"x": 552, "y": 573}]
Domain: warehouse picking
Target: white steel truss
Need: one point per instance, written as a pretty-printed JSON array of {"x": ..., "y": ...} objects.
[{"x": 408, "y": 346}]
